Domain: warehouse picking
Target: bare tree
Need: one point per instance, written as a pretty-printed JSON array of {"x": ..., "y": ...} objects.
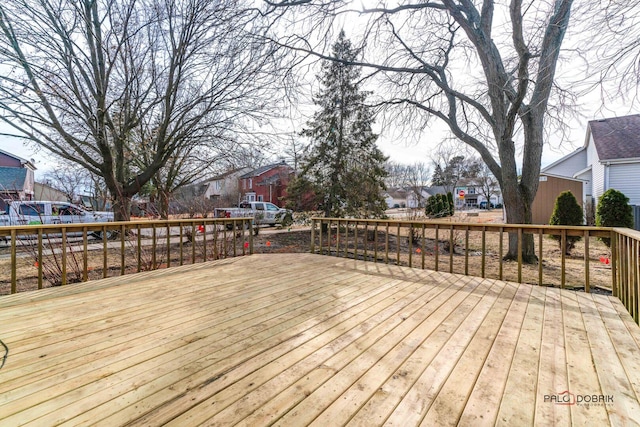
[
  {"x": 487, "y": 184},
  {"x": 70, "y": 179},
  {"x": 489, "y": 80},
  {"x": 396, "y": 174},
  {"x": 98, "y": 81},
  {"x": 612, "y": 54},
  {"x": 417, "y": 177}
]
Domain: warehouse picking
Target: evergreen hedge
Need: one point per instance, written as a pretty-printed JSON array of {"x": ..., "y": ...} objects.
[
  {"x": 439, "y": 206},
  {"x": 613, "y": 210},
  {"x": 567, "y": 211}
]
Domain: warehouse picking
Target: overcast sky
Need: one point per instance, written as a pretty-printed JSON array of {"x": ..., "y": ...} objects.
[{"x": 397, "y": 148}]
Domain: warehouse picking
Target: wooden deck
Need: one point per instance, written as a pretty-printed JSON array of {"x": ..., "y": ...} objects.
[{"x": 297, "y": 339}]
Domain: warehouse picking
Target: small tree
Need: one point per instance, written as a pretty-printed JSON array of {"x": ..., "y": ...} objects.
[
  {"x": 438, "y": 206},
  {"x": 613, "y": 211},
  {"x": 567, "y": 211},
  {"x": 451, "y": 204}
]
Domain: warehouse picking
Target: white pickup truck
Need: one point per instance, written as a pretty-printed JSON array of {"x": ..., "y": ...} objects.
[
  {"x": 45, "y": 212},
  {"x": 262, "y": 212}
]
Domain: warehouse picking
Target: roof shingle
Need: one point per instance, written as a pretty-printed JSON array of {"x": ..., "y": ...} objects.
[
  {"x": 617, "y": 137},
  {"x": 12, "y": 179}
]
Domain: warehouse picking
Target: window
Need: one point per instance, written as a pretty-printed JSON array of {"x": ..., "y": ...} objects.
[
  {"x": 35, "y": 209},
  {"x": 272, "y": 207},
  {"x": 250, "y": 182},
  {"x": 259, "y": 206},
  {"x": 260, "y": 198}
]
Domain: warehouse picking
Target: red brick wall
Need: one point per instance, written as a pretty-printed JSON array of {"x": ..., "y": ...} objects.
[{"x": 270, "y": 192}]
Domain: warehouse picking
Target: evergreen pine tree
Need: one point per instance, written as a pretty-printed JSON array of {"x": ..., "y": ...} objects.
[
  {"x": 567, "y": 211},
  {"x": 344, "y": 164},
  {"x": 451, "y": 204},
  {"x": 613, "y": 211}
]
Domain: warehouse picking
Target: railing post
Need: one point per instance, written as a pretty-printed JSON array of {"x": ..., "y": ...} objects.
[
  {"x": 123, "y": 262},
  {"x": 105, "y": 266},
  {"x": 519, "y": 254},
  {"x": 540, "y": 235},
  {"x": 14, "y": 277},
  {"x": 320, "y": 236},
  {"x": 466, "y": 251},
  {"x": 484, "y": 250},
  {"x": 250, "y": 237},
  {"x": 85, "y": 255},
  {"x": 64, "y": 256},
  {"x": 563, "y": 258},
  {"x": 168, "y": 243},
  {"x": 313, "y": 236},
  {"x": 40, "y": 274},
  {"x": 587, "y": 285},
  {"x": 614, "y": 264}
]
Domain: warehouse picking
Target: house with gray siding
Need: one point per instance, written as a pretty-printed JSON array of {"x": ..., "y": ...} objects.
[
  {"x": 16, "y": 178},
  {"x": 610, "y": 158}
]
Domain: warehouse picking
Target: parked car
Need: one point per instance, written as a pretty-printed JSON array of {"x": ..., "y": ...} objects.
[
  {"x": 485, "y": 205},
  {"x": 46, "y": 212},
  {"x": 262, "y": 213}
]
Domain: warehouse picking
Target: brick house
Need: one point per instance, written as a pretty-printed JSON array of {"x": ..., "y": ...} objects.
[{"x": 266, "y": 184}]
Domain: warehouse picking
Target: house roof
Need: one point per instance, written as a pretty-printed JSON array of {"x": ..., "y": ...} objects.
[
  {"x": 568, "y": 178},
  {"x": 262, "y": 169},
  {"x": 562, "y": 159},
  {"x": 22, "y": 161},
  {"x": 616, "y": 137},
  {"x": 396, "y": 193},
  {"x": 225, "y": 174},
  {"x": 12, "y": 178},
  {"x": 435, "y": 190}
]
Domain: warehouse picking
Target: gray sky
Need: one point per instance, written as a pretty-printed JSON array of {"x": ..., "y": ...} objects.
[{"x": 398, "y": 149}]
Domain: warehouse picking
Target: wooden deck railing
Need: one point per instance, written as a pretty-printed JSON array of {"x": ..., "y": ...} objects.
[
  {"x": 626, "y": 282},
  {"x": 37, "y": 256},
  {"x": 478, "y": 249}
]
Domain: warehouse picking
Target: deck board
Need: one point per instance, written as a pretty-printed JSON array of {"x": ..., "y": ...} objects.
[{"x": 301, "y": 339}]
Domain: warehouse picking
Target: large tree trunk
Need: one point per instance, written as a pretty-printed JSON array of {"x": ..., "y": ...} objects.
[
  {"x": 121, "y": 207},
  {"x": 519, "y": 192},
  {"x": 164, "y": 204},
  {"x": 518, "y": 211}
]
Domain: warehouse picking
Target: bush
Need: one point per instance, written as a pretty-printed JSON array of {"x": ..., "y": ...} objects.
[
  {"x": 438, "y": 206},
  {"x": 451, "y": 204},
  {"x": 613, "y": 210},
  {"x": 567, "y": 211}
]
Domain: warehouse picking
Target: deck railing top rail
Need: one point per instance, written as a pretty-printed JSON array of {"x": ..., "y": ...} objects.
[
  {"x": 96, "y": 226},
  {"x": 532, "y": 228},
  {"x": 42, "y": 255}
]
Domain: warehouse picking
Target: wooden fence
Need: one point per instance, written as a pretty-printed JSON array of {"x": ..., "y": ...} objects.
[
  {"x": 57, "y": 254},
  {"x": 478, "y": 250}
]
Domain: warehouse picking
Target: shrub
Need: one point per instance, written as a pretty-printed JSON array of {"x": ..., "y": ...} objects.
[
  {"x": 613, "y": 211},
  {"x": 567, "y": 211},
  {"x": 438, "y": 206},
  {"x": 451, "y": 204}
]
